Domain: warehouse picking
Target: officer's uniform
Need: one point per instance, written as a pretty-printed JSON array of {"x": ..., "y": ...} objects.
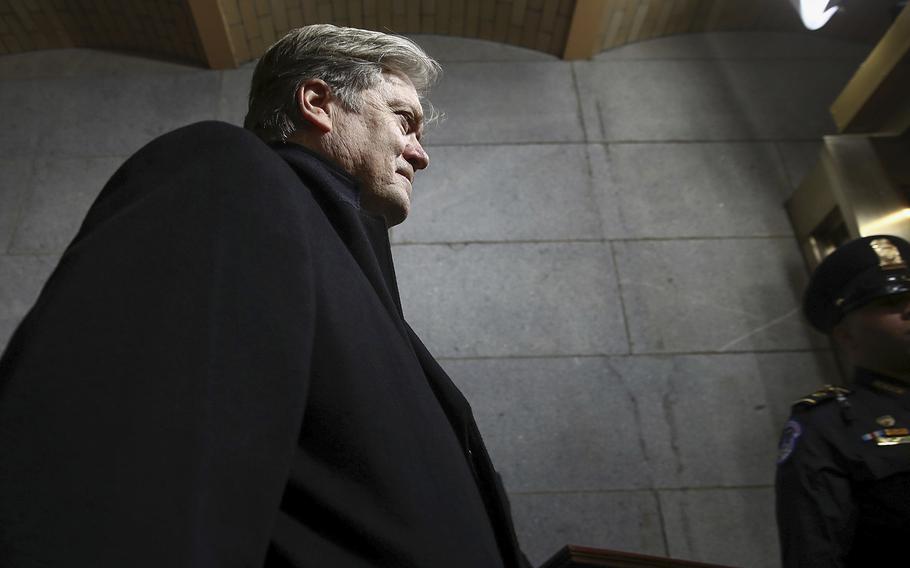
[{"x": 843, "y": 476}]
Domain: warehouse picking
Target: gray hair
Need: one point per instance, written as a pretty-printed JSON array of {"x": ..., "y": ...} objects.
[{"x": 349, "y": 60}]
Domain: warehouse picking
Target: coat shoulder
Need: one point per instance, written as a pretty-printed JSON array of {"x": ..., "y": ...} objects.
[
  {"x": 813, "y": 419},
  {"x": 208, "y": 141},
  {"x": 190, "y": 170}
]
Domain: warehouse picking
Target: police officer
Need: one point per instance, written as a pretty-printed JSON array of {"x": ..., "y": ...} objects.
[{"x": 843, "y": 475}]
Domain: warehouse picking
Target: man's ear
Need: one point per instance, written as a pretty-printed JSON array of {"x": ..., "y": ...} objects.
[{"x": 316, "y": 104}]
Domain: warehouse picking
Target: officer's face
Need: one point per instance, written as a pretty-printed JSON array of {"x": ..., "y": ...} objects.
[
  {"x": 877, "y": 335},
  {"x": 380, "y": 146}
]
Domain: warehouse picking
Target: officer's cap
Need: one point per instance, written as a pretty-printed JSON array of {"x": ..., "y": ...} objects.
[{"x": 855, "y": 274}]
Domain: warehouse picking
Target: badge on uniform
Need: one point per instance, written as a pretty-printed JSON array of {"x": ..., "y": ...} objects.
[
  {"x": 885, "y": 420},
  {"x": 792, "y": 431},
  {"x": 888, "y": 436},
  {"x": 889, "y": 257}
]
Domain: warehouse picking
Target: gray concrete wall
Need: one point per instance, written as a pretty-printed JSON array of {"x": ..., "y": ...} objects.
[{"x": 598, "y": 254}]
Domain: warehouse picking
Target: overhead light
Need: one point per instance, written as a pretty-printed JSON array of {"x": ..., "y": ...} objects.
[
  {"x": 815, "y": 13},
  {"x": 878, "y": 225}
]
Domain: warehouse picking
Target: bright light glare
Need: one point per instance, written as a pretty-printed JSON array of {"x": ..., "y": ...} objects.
[
  {"x": 814, "y": 13},
  {"x": 882, "y": 222}
]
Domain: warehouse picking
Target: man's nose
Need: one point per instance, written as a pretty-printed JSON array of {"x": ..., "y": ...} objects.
[{"x": 416, "y": 155}]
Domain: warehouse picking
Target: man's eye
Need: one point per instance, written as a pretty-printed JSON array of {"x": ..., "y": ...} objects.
[{"x": 405, "y": 121}]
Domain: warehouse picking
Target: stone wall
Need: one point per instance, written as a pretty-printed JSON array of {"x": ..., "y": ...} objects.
[{"x": 598, "y": 254}]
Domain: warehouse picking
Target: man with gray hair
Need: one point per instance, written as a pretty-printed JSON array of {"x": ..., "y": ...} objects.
[{"x": 218, "y": 373}]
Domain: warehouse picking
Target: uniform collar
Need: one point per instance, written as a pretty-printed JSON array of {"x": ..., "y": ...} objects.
[{"x": 880, "y": 383}]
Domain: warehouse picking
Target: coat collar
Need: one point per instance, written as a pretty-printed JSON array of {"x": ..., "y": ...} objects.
[
  {"x": 367, "y": 239},
  {"x": 327, "y": 175},
  {"x": 365, "y": 235}
]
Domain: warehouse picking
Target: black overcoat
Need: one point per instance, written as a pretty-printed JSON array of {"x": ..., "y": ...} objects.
[{"x": 218, "y": 374}]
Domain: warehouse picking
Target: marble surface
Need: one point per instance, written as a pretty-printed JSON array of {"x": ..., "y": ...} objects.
[
  {"x": 720, "y": 189},
  {"x": 676, "y": 100},
  {"x": 740, "y": 45},
  {"x": 557, "y": 424},
  {"x": 512, "y": 299},
  {"x": 15, "y": 182},
  {"x": 59, "y": 195},
  {"x": 713, "y": 295},
  {"x": 538, "y": 192},
  {"x": 733, "y": 527},
  {"x": 624, "y": 317},
  {"x": 22, "y": 278},
  {"x": 503, "y": 102},
  {"x": 628, "y": 521}
]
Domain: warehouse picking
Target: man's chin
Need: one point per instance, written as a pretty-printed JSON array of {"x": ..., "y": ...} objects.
[
  {"x": 392, "y": 202},
  {"x": 397, "y": 215},
  {"x": 393, "y": 213}
]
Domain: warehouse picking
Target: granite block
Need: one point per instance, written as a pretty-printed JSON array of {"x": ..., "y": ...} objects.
[
  {"x": 113, "y": 115},
  {"x": 62, "y": 190},
  {"x": 607, "y": 192},
  {"x": 106, "y": 63},
  {"x": 449, "y": 49},
  {"x": 564, "y": 424},
  {"x": 512, "y": 299},
  {"x": 41, "y": 63},
  {"x": 740, "y": 45},
  {"x": 30, "y": 108},
  {"x": 661, "y": 100},
  {"x": 502, "y": 193},
  {"x": 22, "y": 278},
  {"x": 799, "y": 159},
  {"x": 234, "y": 97},
  {"x": 15, "y": 178},
  {"x": 623, "y": 520},
  {"x": 714, "y": 295},
  {"x": 76, "y": 61},
  {"x": 734, "y": 527},
  {"x": 486, "y": 103},
  {"x": 714, "y": 420},
  {"x": 698, "y": 190},
  {"x": 787, "y": 377}
]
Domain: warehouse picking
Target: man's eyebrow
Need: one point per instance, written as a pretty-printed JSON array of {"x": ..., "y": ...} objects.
[{"x": 415, "y": 110}]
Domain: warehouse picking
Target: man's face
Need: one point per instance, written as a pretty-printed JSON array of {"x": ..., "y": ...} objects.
[
  {"x": 380, "y": 146},
  {"x": 877, "y": 335}
]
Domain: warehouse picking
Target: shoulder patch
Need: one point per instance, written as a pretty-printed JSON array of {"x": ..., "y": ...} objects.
[
  {"x": 827, "y": 392},
  {"x": 788, "y": 438}
]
